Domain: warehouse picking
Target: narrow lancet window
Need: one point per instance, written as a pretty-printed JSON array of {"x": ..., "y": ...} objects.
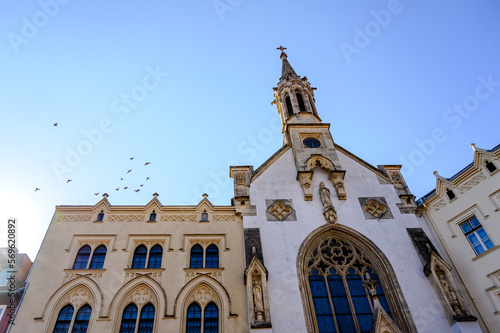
[
  {"x": 450, "y": 194},
  {"x": 288, "y": 106},
  {"x": 302, "y": 106},
  {"x": 490, "y": 166}
]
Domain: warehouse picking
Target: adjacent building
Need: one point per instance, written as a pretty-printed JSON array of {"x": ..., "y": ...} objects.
[{"x": 463, "y": 212}]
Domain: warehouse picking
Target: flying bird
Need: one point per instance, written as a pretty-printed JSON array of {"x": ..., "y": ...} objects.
[
  {"x": 126, "y": 187},
  {"x": 147, "y": 178},
  {"x": 141, "y": 185},
  {"x": 69, "y": 180},
  {"x": 121, "y": 178},
  {"x": 147, "y": 163},
  {"x": 131, "y": 158},
  {"x": 37, "y": 189},
  {"x": 137, "y": 190},
  {"x": 96, "y": 193},
  {"x": 129, "y": 171},
  {"x": 55, "y": 124},
  {"x": 117, "y": 188}
]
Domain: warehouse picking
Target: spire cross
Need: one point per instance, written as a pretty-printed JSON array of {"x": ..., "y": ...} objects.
[{"x": 281, "y": 48}]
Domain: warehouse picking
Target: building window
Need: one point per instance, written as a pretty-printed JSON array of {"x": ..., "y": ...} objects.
[
  {"x": 209, "y": 321},
  {"x": 212, "y": 257},
  {"x": 155, "y": 257},
  {"x": 100, "y": 216},
  {"x": 82, "y": 258},
  {"x": 288, "y": 106},
  {"x": 129, "y": 319},
  {"x": 478, "y": 238},
  {"x": 302, "y": 106},
  {"x": 490, "y": 166},
  {"x": 152, "y": 216},
  {"x": 336, "y": 275},
  {"x": 204, "y": 216},
  {"x": 65, "y": 318},
  {"x": 140, "y": 255},
  {"x": 146, "y": 321},
  {"x": 98, "y": 257},
  {"x": 196, "y": 259},
  {"x": 450, "y": 194}
]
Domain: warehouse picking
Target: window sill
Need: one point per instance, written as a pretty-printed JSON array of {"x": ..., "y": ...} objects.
[{"x": 485, "y": 253}]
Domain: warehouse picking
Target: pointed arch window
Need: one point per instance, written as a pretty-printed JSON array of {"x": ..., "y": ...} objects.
[
  {"x": 100, "y": 216},
  {"x": 82, "y": 319},
  {"x": 146, "y": 321},
  {"x": 152, "y": 216},
  {"x": 64, "y": 319},
  {"x": 302, "y": 106},
  {"x": 212, "y": 257},
  {"x": 196, "y": 259},
  {"x": 129, "y": 319},
  {"x": 337, "y": 272},
  {"x": 98, "y": 257},
  {"x": 155, "y": 257},
  {"x": 82, "y": 257},
  {"x": 140, "y": 255},
  {"x": 490, "y": 166},
  {"x": 209, "y": 322},
  {"x": 289, "y": 108}
]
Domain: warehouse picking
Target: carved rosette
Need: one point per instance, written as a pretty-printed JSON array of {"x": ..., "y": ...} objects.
[
  {"x": 141, "y": 296},
  {"x": 80, "y": 296},
  {"x": 203, "y": 295},
  {"x": 280, "y": 210},
  {"x": 305, "y": 180}
]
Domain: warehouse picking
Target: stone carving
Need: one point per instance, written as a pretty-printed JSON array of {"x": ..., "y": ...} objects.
[
  {"x": 126, "y": 218},
  {"x": 79, "y": 296},
  {"x": 280, "y": 210},
  {"x": 203, "y": 295},
  {"x": 396, "y": 178},
  {"x": 215, "y": 273},
  {"x": 329, "y": 211},
  {"x": 337, "y": 178},
  {"x": 178, "y": 218},
  {"x": 451, "y": 295},
  {"x": 257, "y": 300},
  {"x": 75, "y": 218},
  {"x": 305, "y": 179},
  {"x": 471, "y": 183},
  {"x": 223, "y": 217},
  {"x": 156, "y": 274},
  {"x": 375, "y": 208},
  {"x": 141, "y": 296},
  {"x": 240, "y": 179},
  {"x": 438, "y": 205}
]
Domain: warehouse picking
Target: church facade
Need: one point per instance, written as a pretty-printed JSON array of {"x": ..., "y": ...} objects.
[{"x": 316, "y": 240}]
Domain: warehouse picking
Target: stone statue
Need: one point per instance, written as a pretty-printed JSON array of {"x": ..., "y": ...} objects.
[
  {"x": 451, "y": 295},
  {"x": 257, "y": 299},
  {"x": 324, "y": 194}
]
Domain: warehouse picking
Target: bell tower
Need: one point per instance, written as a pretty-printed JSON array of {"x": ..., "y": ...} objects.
[{"x": 310, "y": 139}]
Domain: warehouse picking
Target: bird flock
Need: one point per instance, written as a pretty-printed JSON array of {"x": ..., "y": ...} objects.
[{"x": 138, "y": 189}]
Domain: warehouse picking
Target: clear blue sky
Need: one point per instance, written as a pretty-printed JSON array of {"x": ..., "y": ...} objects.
[{"x": 187, "y": 86}]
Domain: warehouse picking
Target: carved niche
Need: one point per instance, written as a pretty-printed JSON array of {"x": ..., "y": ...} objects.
[{"x": 258, "y": 300}]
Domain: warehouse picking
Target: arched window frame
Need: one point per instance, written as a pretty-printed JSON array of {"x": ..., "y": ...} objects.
[
  {"x": 100, "y": 216},
  {"x": 82, "y": 258},
  {"x": 90, "y": 258},
  {"x": 386, "y": 276},
  {"x": 214, "y": 256},
  {"x": 139, "y": 263},
  {"x": 71, "y": 319},
  {"x": 98, "y": 257},
  {"x": 156, "y": 254},
  {"x": 202, "y": 261},
  {"x": 199, "y": 263},
  {"x": 136, "y": 324},
  {"x": 197, "y": 308},
  {"x": 300, "y": 100},
  {"x": 288, "y": 105},
  {"x": 147, "y": 259}
]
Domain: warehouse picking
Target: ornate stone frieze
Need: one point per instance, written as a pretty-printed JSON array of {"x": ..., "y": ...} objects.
[
  {"x": 126, "y": 218},
  {"x": 179, "y": 218},
  {"x": 215, "y": 273},
  {"x": 471, "y": 183},
  {"x": 280, "y": 210},
  {"x": 438, "y": 205},
  {"x": 156, "y": 274},
  {"x": 94, "y": 274},
  {"x": 223, "y": 217},
  {"x": 75, "y": 218}
]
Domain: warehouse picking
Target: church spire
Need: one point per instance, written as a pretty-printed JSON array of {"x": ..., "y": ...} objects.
[{"x": 286, "y": 68}]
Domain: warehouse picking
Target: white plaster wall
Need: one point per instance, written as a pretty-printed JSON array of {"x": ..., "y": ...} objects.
[{"x": 282, "y": 240}]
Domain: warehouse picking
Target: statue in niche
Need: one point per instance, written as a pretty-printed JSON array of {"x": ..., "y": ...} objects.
[
  {"x": 324, "y": 194},
  {"x": 257, "y": 299},
  {"x": 451, "y": 295}
]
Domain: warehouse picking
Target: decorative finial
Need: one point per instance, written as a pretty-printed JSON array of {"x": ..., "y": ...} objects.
[
  {"x": 205, "y": 195},
  {"x": 155, "y": 195},
  {"x": 283, "y": 54},
  {"x": 473, "y": 146},
  {"x": 105, "y": 195}
]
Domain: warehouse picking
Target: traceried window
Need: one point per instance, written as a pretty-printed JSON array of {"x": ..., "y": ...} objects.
[
  {"x": 206, "y": 321},
  {"x": 82, "y": 257},
  {"x": 337, "y": 273},
  {"x": 476, "y": 235},
  {"x": 132, "y": 323},
  {"x": 77, "y": 324},
  {"x": 98, "y": 257}
]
